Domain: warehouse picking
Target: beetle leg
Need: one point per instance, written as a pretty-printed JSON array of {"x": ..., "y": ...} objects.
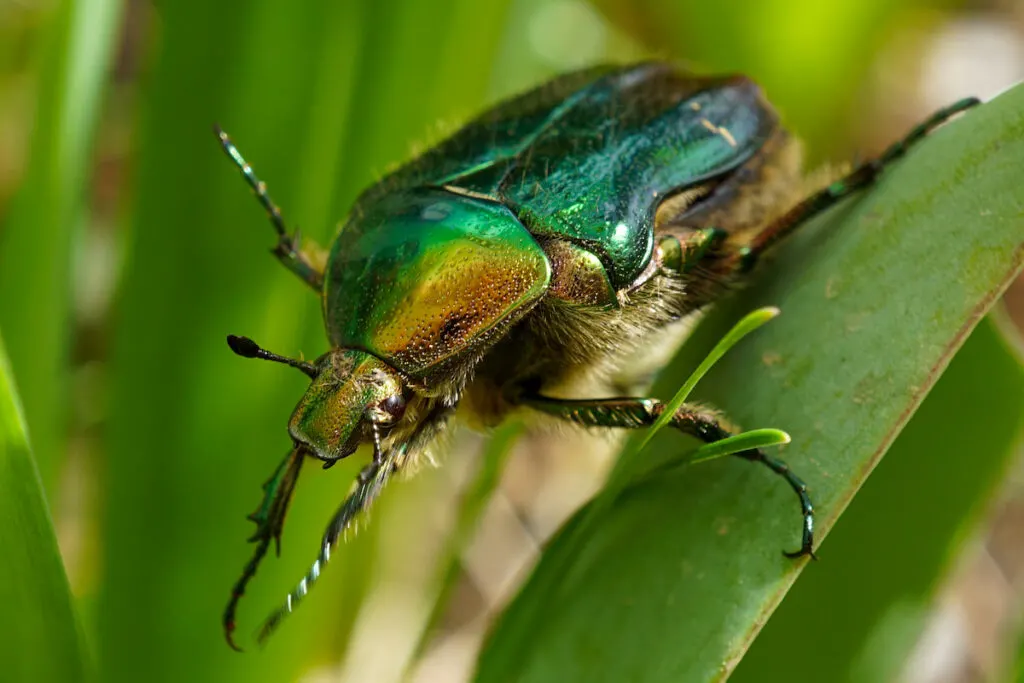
[
  {"x": 269, "y": 519},
  {"x": 679, "y": 254},
  {"x": 368, "y": 484},
  {"x": 307, "y": 263},
  {"x": 302, "y": 262},
  {"x": 633, "y": 413},
  {"x": 862, "y": 176}
]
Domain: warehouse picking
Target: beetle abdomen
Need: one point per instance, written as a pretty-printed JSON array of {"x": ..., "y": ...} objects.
[{"x": 597, "y": 175}]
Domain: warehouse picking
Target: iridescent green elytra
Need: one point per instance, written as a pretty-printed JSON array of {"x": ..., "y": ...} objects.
[{"x": 542, "y": 242}]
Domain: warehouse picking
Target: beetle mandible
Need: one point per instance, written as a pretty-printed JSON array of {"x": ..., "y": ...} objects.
[{"x": 545, "y": 239}]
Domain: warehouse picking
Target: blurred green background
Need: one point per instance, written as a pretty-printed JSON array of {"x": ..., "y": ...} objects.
[{"x": 129, "y": 248}]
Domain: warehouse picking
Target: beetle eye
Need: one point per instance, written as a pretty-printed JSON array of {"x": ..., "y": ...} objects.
[{"x": 393, "y": 408}]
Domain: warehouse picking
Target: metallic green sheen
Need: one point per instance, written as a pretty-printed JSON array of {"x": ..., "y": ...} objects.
[
  {"x": 487, "y": 143},
  {"x": 597, "y": 179},
  {"x": 425, "y": 277},
  {"x": 589, "y": 156}
]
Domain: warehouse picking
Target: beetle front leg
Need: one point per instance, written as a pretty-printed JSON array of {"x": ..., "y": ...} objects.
[
  {"x": 633, "y": 413},
  {"x": 307, "y": 263}
]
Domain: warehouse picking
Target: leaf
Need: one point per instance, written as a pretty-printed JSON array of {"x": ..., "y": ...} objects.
[
  {"x": 747, "y": 441},
  {"x": 748, "y": 324},
  {"x": 877, "y": 296},
  {"x": 622, "y": 475},
  {"x": 36, "y": 237},
  {"x": 858, "y": 611},
  {"x": 40, "y": 639},
  {"x": 320, "y": 97}
]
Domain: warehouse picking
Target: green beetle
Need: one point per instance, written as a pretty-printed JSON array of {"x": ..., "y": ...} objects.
[{"x": 544, "y": 241}]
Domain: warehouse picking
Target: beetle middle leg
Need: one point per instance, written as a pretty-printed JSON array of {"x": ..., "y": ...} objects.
[
  {"x": 306, "y": 263},
  {"x": 633, "y": 413}
]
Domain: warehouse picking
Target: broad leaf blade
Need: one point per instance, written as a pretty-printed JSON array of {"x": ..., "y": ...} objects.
[
  {"x": 747, "y": 441},
  {"x": 857, "y": 613},
  {"x": 877, "y": 296}
]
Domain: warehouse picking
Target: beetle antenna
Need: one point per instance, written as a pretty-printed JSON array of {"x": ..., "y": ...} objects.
[{"x": 247, "y": 348}]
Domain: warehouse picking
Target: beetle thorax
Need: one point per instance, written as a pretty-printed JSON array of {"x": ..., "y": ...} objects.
[{"x": 427, "y": 280}]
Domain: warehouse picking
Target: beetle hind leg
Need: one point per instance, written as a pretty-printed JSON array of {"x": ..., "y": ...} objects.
[
  {"x": 633, "y": 413},
  {"x": 862, "y": 176},
  {"x": 307, "y": 263},
  {"x": 779, "y": 467}
]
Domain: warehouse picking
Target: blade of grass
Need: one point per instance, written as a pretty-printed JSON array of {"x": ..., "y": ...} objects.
[
  {"x": 40, "y": 639},
  {"x": 35, "y": 249},
  {"x": 622, "y": 474},
  {"x": 198, "y": 269},
  {"x": 747, "y": 441},
  {"x": 755, "y": 438}
]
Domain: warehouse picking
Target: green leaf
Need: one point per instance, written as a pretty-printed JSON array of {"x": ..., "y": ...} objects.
[
  {"x": 318, "y": 98},
  {"x": 40, "y": 639},
  {"x": 748, "y": 324},
  {"x": 877, "y": 296},
  {"x": 629, "y": 461},
  {"x": 36, "y": 237},
  {"x": 747, "y": 441},
  {"x": 858, "y": 611}
]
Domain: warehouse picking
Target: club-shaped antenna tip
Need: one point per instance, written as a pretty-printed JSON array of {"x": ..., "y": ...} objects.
[{"x": 243, "y": 346}]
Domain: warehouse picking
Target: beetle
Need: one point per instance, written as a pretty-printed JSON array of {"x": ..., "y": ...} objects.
[{"x": 543, "y": 242}]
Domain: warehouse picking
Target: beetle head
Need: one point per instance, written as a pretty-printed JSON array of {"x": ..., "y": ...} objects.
[{"x": 354, "y": 398}]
